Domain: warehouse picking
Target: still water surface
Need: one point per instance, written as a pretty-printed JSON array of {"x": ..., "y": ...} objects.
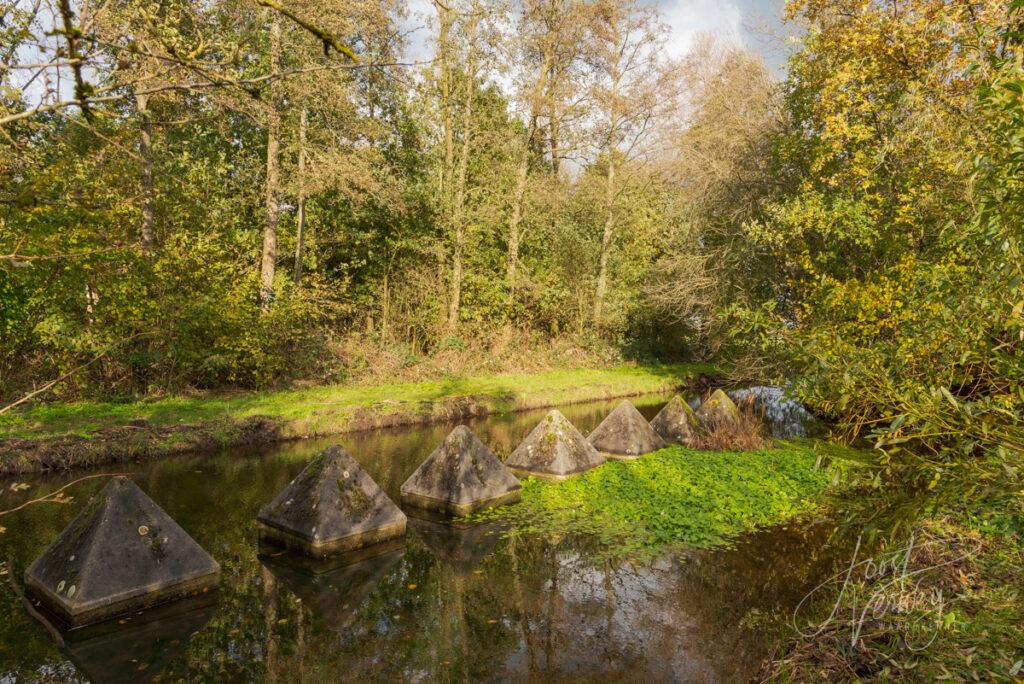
[{"x": 447, "y": 605}]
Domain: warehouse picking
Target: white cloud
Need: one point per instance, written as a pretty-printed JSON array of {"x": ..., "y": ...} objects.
[
  {"x": 419, "y": 29},
  {"x": 689, "y": 18}
]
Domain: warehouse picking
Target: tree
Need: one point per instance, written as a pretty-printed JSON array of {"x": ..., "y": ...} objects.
[
  {"x": 268, "y": 260},
  {"x": 633, "y": 89}
]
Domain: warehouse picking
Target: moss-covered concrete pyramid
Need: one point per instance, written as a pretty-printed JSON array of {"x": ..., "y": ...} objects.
[
  {"x": 461, "y": 476},
  {"x": 676, "y": 422},
  {"x": 331, "y": 507},
  {"x": 717, "y": 409},
  {"x": 554, "y": 450},
  {"x": 121, "y": 553},
  {"x": 625, "y": 433}
]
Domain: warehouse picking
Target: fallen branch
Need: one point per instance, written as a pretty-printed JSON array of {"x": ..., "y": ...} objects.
[
  {"x": 67, "y": 375},
  {"x": 56, "y": 494}
]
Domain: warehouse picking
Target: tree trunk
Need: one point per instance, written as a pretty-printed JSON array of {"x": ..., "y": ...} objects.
[
  {"x": 552, "y": 83},
  {"x": 268, "y": 261},
  {"x": 300, "y": 231},
  {"x": 611, "y": 148},
  {"x": 513, "y": 224},
  {"x": 146, "y": 170},
  {"x": 523, "y": 173},
  {"x": 606, "y": 242},
  {"x": 459, "y": 209},
  {"x": 444, "y": 14}
]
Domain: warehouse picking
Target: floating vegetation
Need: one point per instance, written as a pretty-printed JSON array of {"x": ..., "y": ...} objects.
[{"x": 677, "y": 497}]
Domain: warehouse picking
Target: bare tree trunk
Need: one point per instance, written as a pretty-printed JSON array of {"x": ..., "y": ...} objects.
[
  {"x": 146, "y": 175},
  {"x": 444, "y": 14},
  {"x": 522, "y": 175},
  {"x": 609, "y": 219},
  {"x": 300, "y": 231},
  {"x": 459, "y": 209},
  {"x": 268, "y": 262},
  {"x": 606, "y": 241},
  {"x": 552, "y": 82},
  {"x": 513, "y": 224}
]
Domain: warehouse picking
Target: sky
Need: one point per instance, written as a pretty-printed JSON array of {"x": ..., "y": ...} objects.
[
  {"x": 755, "y": 25},
  {"x": 752, "y": 24}
]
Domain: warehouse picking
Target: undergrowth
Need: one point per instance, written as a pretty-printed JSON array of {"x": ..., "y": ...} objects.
[
  {"x": 953, "y": 612},
  {"x": 745, "y": 431}
]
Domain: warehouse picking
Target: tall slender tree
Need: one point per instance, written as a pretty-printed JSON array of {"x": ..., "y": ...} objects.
[
  {"x": 634, "y": 87},
  {"x": 268, "y": 260}
]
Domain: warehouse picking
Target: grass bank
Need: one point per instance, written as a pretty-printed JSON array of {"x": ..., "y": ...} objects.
[
  {"x": 89, "y": 433},
  {"x": 679, "y": 497}
]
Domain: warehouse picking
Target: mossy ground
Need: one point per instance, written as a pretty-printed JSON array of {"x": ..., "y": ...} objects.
[
  {"x": 61, "y": 436},
  {"x": 679, "y": 497}
]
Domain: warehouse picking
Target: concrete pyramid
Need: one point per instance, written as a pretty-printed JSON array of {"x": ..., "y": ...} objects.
[
  {"x": 121, "y": 553},
  {"x": 332, "y": 506},
  {"x": 717, "y": 409},
  {"x": 625, "y": 434},
  {"x": 676, "y": 423},
  {"x": 461, "y": 476},
  {"x": 554, "y": 450}
]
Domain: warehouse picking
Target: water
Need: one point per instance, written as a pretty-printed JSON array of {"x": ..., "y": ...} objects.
[
  {"x": 468, "y": 605},
  {"x": 784, "y": 416}
]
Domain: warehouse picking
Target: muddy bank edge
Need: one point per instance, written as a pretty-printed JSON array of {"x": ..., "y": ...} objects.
[{"x": 138, "y": 439}]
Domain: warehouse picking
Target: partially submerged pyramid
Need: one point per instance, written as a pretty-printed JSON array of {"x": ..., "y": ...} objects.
[
  {"x": 717, "y": 409},
  {"x": 676, "y": 423},
  {"x": 332, "y": 506},
  {"x": 461, "y": 476},
  {"x": 625, "y": 434},
  {"x": 122, "y": 553},
  {"x": 554, "y": 450}
]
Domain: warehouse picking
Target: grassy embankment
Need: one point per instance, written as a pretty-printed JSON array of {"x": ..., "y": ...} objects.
[{"x": 86, "y": 433}]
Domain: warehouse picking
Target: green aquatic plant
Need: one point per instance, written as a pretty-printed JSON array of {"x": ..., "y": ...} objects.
[{"x": 678, "y": 497}]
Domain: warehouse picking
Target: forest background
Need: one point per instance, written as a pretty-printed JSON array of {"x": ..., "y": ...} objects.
[{"x": 237, "y": 194}]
